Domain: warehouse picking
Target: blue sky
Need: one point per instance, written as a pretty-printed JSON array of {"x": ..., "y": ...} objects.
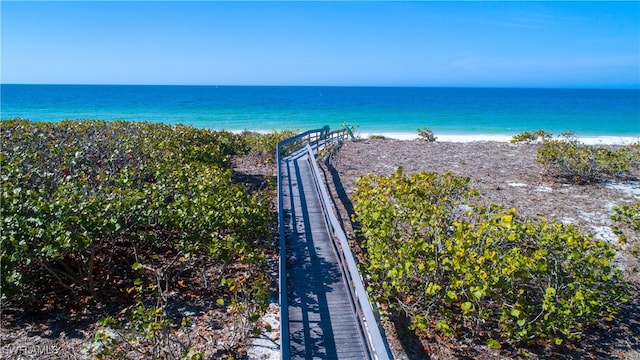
[{"x": 538, "y": 44}]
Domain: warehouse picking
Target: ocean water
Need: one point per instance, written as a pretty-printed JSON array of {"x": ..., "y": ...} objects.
[{"x": 372, "y": 110}]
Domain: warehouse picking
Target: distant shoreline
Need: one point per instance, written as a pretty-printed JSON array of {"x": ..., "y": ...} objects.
[
  {"x": 466, "y": 138},
  {"x": 452, "y": 138},
  {"x": 469, "y": 138}
]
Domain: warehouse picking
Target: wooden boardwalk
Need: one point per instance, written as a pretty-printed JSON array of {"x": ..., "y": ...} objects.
[{"x": 322, "y": 320}]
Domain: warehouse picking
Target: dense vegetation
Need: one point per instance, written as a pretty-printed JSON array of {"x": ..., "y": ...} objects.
[
  {"x": 105, "y": 211},
  {"x": 566, "y": 158},
  {"x": 454, "y": 265},
  {"x": 627, "y": 218},
  {"x": 531, "y": 137},
  {"x": 96, "y": 211}
]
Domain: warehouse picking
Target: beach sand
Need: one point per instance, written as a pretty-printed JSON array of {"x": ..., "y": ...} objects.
[{"x": 466, "y": 138}]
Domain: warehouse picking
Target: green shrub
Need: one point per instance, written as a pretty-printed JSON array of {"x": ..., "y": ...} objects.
[
  {"x": 426, "y": 134},
  {"x": 378, "y": 137},
  {"x": 75, "y": 192},
  {"x": 433, "y": 251},
  {"x": 569, "y": 159},
  {"x": 528, "y": 137},
  {"x": 263, "y": 146},
  {"x": 628, "y": 228}
]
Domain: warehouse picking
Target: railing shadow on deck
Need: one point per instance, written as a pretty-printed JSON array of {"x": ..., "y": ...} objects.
[
  {"x": 408, "y": 339},
  {"x": 318, "y": 278}
]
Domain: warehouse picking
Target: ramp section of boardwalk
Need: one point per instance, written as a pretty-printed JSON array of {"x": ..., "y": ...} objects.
[{"x": 325, "y": 313}]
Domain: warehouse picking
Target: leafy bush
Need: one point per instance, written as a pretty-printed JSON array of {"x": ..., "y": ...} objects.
[
  {"x": 450, "y": 263},
  {"x": 378, "y": 137},
  {"x": 528, "y": 137},
  {"x": 150, "y": 330},
  {"x": 426, "y": 134},
  {"x": 569, "y": 159},
  {"x": 147, "y": 333},
  {"x": 81, "y": 201},
  {"x": 628, "y": 230},
  {"x": 263, "y": 146}
]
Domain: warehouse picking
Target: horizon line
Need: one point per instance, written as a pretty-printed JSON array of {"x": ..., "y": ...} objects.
[{"x": 567, "y": 87}]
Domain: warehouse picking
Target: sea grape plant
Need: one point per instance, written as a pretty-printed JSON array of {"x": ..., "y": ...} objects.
[
  {"x": 263, "y": 146},
  {"x": 426, "y": 134},
  {"x": 75, "y": 192},
  {"x": 452, "y": 263},
  {"x": 627, "y": 218},
  {"x": 107, "y": 209},
  {"x": 531, "y": 137},
  {"x": 569, "y": 159}
]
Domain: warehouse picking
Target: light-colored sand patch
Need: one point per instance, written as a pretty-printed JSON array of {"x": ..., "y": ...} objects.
[
  {"x": 567, "y": 220},
  {"x": 598, "y": 221},
  {"x": 517, "y": 184},
  {"x": 604, "y": 233},
  {"x": 266, "y": 345},
  {"x": 544, "y": 189},
  {"x": 466, "y": 138},
  {"x": 442, "y": 137},
  {"x": 594, "y": 217},
  {"x": 631, "y": 188},
  {"x": 608, "y": 140}
]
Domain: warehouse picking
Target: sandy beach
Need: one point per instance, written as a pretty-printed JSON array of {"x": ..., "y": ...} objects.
[{"x": 466, "y": 138}]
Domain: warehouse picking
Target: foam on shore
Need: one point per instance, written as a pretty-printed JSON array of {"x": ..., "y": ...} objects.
[{"x": 466, "y": 138}]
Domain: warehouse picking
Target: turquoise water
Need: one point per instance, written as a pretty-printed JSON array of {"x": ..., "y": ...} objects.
[{"x": 467, "y": 111}]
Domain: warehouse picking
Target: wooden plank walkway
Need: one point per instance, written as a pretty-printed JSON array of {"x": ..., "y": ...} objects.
[{"x": 322, "y": 320}]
